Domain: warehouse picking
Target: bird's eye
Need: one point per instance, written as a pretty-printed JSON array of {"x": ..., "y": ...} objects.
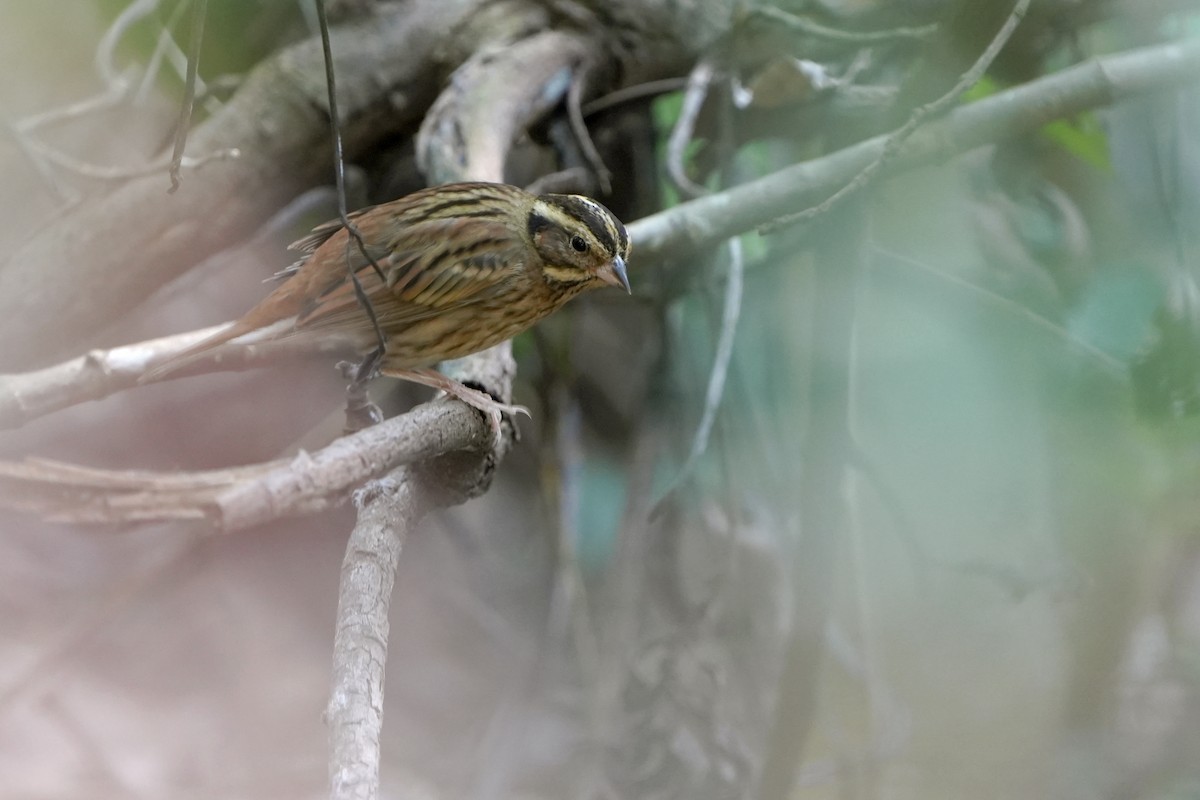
[{"x": 579, "y": 244}]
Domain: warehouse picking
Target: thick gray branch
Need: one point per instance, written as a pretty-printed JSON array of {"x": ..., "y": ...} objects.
[
  {"x": 387, "y": 510},
  {"x": 240, "y": 497},
  {"x": 702, "y": 223},
  {"x": 492, "y": 98},
  {"x": 705, "y": 222}
]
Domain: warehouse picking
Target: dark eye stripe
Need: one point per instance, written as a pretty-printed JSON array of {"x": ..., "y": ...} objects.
[
  {"x": 537, "y": 223},
  {"x": 591, "y": 214}
]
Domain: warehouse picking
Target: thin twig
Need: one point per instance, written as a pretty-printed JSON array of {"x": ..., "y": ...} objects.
[
  {"x": 580, "y": 129},
  {"x": 111, "y": 173},
  {"x": 565, "y": 181},
  {"x": 629, "y": 94},
  {"x": 731, "y": 311},
  {"x": 895, "y": 140},
  {"x": 428, "y": 431},
  {"x": 730, "y": 314},
  {"x": 816, "y": 30},
  {"x": 339, "y": 170},
  {"x": 1113, "y": 367},
  {"x": 114, "y": 93},
  {"x": 106, "y": 51},
  {"x": 715, "y": 391},
  {"x": 166, "y": 42},
  {"x": 189, "y": 90},
  {"x": 698, "y": 84}
]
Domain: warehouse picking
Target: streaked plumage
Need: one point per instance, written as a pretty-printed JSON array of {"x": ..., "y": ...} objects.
[{"x": 465, "y": 267}]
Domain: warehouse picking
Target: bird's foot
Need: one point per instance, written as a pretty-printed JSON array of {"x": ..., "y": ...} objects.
[
  {"x": 492, "y": 408},
  {"x": 360, "y": 411},
  {"x": 360, "y": 373}
]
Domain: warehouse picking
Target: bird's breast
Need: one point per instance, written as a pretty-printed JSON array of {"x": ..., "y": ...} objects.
[{"x": 466, "y": 330}]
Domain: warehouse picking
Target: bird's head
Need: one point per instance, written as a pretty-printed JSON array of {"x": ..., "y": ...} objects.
[{"x": 580, "y": 241}]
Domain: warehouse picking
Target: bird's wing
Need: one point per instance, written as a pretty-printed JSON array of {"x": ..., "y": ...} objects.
[
  {"x": 425, "y": 273},
  {"x": 321, "y": 234}
]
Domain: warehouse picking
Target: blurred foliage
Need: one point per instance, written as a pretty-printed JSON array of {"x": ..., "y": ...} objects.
[
  {"x": 1082, "y": 136},
  {"x": 1117, "y": 311},
  {"x": 1025, "y": 414},
  {"x": 1026, "y": 400},
  {"x": 237, "y": 33}
]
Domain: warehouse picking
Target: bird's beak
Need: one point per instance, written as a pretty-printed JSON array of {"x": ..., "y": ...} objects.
[{"x": 613, "y": 273}]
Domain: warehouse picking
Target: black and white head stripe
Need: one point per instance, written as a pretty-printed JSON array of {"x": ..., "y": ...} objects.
[{"x": 607, "y": 230}]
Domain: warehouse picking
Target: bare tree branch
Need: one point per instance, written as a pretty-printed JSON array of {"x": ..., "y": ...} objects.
[
  {"x": 698, "y": 84},
  {"x": 443, "y": 447},
  {"x": 199, "y": 12},
  {"x": 100, "y": 373},
  {"x": 237, "y": 498},
  {"x": 387, "y": 510},
  {"x": 116, "y": 173},
  {"x": 466, "y": 135},
  {"x": 897, "y": 138},
  {"x": 705, "y": 222},
  {"x": 810, "y": 27},
  {"x": 702, "y": 223},
  {"x": 429, "y": 430}
]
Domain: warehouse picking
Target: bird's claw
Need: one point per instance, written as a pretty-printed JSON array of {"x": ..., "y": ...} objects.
[
  {"x": 361, "y": 372},
  {"x": 493, "y": 409}
]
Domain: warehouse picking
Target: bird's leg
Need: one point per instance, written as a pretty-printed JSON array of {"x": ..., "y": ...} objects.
[
  {"x": 360, "y": 411},
  {"x": 366, "y": 370},
  {"x": 472, "y": 397}
]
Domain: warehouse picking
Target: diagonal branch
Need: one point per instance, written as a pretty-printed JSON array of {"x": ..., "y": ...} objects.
[
  {"x": 699, "y": 224},
  {"x": 669, "y": 236},
  {"x": 897, "y": 138},
  {"x": 492, "y": 98},
  {"x": 237, "y": 498},
  {"x": 100, "y": 373}
]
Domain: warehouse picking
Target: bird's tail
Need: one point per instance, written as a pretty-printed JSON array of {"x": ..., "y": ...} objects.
[{"x": 247, "y": 334}]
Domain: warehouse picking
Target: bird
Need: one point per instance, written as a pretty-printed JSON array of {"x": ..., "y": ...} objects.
[{"x": 458, "y": 268}]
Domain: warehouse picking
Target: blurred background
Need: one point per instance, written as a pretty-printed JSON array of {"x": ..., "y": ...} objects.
[{"x": 901, "y": 504}]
